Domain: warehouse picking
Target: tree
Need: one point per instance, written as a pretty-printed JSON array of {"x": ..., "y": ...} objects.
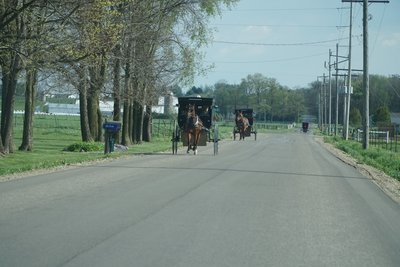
[
  {"x": 163, "y": 50},
  {"x": 295, "y": 105},
  {"x": 382, "y": 117},
  {"x": 355, "y": 117},
  {"x": 194, "y": 91},
  {"x": 35, "y": 17},
  {"x": 89, "y": 35},
  {"x": 11, "y": 40},
  {"x": 227, "y": 98}
]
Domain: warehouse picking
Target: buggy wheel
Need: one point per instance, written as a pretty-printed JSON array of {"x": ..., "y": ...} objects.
[
  {"x": 175, "y": 140},
  {"x": 215, "y": 139},
  {"x": 174, "y": 144}
]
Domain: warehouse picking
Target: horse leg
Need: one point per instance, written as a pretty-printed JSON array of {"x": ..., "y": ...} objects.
[
  {"x": 196, "y": 141},
  {"x": 188, "y": 142}
]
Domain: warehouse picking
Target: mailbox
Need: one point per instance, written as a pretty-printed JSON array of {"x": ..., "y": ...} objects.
[{"x": 111, "y": 129}]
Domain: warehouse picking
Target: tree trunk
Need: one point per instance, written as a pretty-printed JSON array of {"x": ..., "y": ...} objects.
[
  {"x": 116, "y": 89},
  {"x": 147, "y": 124},
  {"x": 83, "y": 109},
  {"x": 116, "y": 85},
  {"x": 126, "y": 140},
  {"x": 9, "y": 83},
  {"x": 93, "y": 107},
  {"x": 85, "y": 129},
  {"x": 1, "y": 146},
  {"x": 97, "y": 79},
  {"x": 137, "y": 123},
  {"x": 30, "y": 95}
]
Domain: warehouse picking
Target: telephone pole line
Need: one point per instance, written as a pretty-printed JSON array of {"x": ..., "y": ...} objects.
[
  {"x": 346, "y": 126},
  {"x": 337, "y": 75},
  {"x": 337, "y": 89},
  {"x": 365, "y": 65},
  {"x": 330, "y": 94}
]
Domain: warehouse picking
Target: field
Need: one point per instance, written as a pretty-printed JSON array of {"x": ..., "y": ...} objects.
[
  {"x": 376, "y": 156},
  {"x": 54, "y": 133}
]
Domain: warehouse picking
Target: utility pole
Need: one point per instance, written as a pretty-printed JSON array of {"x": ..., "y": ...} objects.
[
  {"x": 319, "y": 105},
  {"x": 344, "y": 107},
  {"x": 337, "y": 89},
  {"x": 330, "y": 93},
  {"x": 325, "y": 104},
  {"x": 365, "y": 65},
  {"x": 346, "y": 136},
  {"x": 365, "y": 76},
  {"x": 322, "y": 102},
  {"x": 337, "y": 75}
]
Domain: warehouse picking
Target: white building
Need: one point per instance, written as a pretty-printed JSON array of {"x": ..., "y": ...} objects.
[{"x": 166, "y": 105}]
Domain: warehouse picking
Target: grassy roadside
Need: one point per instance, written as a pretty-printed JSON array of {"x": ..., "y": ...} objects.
[
  {"x": 50, "y": 143},
  {"x": 382, "y": 159},
  {"x": 48, "y": 155},
  {"x": 53, "y": 134}
]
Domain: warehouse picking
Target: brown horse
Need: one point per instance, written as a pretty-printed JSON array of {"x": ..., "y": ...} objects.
[
  {"x": 242, "y": 123},
  {"x": 193, "y": 128}
]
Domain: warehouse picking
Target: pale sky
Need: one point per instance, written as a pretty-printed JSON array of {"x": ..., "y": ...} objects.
[{"x": 289, "y": 40}]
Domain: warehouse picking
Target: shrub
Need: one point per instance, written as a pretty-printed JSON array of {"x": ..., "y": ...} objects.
[{"x": 84, "y": 147}]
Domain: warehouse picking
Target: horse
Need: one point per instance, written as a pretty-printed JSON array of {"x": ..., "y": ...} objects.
[
  {"x": 193, "y": 128},
  {"x": 242, "y": 123}
]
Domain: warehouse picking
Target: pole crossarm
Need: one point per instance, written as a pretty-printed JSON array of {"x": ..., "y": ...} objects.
[
  {"x": 369, "y": 1},
  {"x": 351, "y": 70}
]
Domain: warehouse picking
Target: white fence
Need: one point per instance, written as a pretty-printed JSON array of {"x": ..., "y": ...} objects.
[{"x": 380, "y": 135}]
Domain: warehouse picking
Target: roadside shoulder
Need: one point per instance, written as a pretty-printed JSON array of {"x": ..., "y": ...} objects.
[{"x": 386, "y": 183}]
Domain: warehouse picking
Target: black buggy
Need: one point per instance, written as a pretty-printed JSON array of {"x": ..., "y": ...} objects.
[
  {"x": 251, "y": 129},
  {"x": 203, "y": 109},
  {"x": 304, "y": 126}
]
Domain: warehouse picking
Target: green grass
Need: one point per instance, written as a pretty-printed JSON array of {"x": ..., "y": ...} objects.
[
  {"x": 52, "y": 135},
  {"x": 382, "y": 159},
  {"x": 57, "y": 142}
]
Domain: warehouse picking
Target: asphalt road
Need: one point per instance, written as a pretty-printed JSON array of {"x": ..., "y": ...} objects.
[{"x": 279, "y": 201}]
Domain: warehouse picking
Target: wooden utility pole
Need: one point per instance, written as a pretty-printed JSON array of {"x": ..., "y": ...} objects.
[
  {"x": 337, "y": 75},
  {"x": 337, "y": 89},
  {"x": 365, "y": 76},
  {"x": 365, "y": 65},
  {"x": 330, "y": 94},
  {"x": 325, "y": 104},
  {"x": 346, "y": 126}
]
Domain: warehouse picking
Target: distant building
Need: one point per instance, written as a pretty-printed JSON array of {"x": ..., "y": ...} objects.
[
  {"x": 57, "y": 108},
  {"x": 166, "y": 105},
  {"x": 395, "y": 119},
  {"x": 106, "y": 108},
  {"x": 309, "y": 118}
]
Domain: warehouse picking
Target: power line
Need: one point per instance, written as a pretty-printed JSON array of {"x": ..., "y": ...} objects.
[
  {"x": 282, "y": 44},
  {"x": 266, "y": 61},
  {"x": 279, "y": 25},
  {"x": 379, "y": 29},
  {"x": 282, "y": 9}
]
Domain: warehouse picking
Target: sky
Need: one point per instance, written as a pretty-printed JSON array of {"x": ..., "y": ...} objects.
[{"x": 290, "y": 40}]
